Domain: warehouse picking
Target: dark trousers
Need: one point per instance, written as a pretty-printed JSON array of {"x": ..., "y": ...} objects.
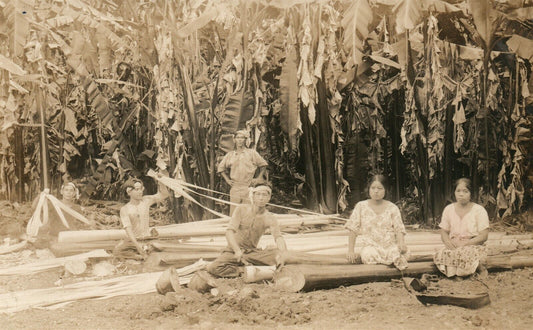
[{"x": 226, "y": 265}]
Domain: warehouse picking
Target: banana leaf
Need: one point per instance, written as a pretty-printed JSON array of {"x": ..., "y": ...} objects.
[{"x": 238, "y": 110}]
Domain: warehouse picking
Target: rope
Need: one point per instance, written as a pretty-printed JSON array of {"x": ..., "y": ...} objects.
[{"x": 185, "y": 186}]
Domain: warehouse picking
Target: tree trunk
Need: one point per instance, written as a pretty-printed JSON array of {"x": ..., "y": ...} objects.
[
  {"x": 19, "y": 166},
  {"x": 327, "y": 155},
  {"x": 310, "y": 178},
  {"x": 198, "y": 138},
  {"x": 296, "y": 278}
]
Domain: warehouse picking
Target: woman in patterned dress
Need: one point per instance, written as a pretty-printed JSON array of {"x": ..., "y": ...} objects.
[
  {"x": 379, "y": 224},
  {"x": 464, "y": 229}
]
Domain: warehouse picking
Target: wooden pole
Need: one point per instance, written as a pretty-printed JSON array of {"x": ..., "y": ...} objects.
[{"x": 44, "y": 152}]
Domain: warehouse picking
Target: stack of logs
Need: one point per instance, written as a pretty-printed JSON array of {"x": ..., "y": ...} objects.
[{"x": 323, "y": 242}]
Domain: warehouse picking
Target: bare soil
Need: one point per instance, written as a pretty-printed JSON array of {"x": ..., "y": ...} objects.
[{"x": 382, "y": 305}]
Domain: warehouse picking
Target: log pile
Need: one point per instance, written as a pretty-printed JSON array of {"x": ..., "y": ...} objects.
[
  {"x": 316, "y": 260},
  {"x": 169, "y": 238},
  {"x": 181, "y": 244}
]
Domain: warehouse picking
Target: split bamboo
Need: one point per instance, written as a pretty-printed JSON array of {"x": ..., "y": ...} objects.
[
  {"x": 43, "y": 265},
  {"x": 103, "y": 289},
  {"x": 13, "y": 248}
]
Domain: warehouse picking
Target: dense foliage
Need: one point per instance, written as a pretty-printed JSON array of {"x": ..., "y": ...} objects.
[{"x": 425, "y": 91}]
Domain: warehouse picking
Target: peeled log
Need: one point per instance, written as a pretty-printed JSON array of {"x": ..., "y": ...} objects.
[
  {"x": 78, "y": 236},
  {"x": 295, "y": 257},
  {"x": 294, "y": 278},
  {"x": 254, "y": 274},
  {"x": 185, "y": 247}
]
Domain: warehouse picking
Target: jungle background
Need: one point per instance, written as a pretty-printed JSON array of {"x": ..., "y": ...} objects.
[{"x": 423, "y": 91}]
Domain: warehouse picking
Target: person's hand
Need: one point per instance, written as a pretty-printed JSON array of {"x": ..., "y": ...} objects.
[
  {"x": 461, "y": 243},
  {"x": 351, "y": 257},
  {"x": 142, "y": 251},
  {"x": 230, "y": 182},
  {"x": 449, "y": 244},
  {"x": 402, "y": 248},
  {"x": 240, "y": 257}
]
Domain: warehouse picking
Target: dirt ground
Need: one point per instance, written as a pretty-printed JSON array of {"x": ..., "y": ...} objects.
[{"x": 381, "y": 305}]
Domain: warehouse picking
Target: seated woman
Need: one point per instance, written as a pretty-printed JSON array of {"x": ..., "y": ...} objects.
[
  {"x": 50, "y": 230},
  {"x": 464, "y": 228},
  {"x": 379, "y": 222}
]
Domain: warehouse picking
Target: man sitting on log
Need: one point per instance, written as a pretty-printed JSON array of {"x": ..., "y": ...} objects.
[
  {"x": 248, "y": 223},
  {"x": 135, "y": 215}
]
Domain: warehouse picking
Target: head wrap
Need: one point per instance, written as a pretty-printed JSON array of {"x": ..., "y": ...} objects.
[
  {"x": 73, "y": 185},
  {"x": 130, "y": 184},
  {"x": 242, "y": 132},
  {"x": 252, "y": 190}
]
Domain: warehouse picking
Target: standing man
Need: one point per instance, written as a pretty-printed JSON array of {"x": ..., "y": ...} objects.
[
  {"x": 135, "y": 215},
  {"x": 248, "y": 223},
  {"x": 242, "y": 164}
]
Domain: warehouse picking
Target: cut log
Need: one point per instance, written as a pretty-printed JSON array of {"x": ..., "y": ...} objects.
[
  {"x": 294, "y": 278},
  {"x": 202, "y": 282},
  {"x": 66, "y": 249},
  {"x": 306, "y": 277},
  {"x": 79, "y": 236},
  {"x": 168, "y": 281},
  {"x": 254, "y": 274},
  {"x": 184, "y": 247},
  {"x": 75, "y": 267},
  {"x": 295, "y": 257},
  {"x": 513, "y": 261}
]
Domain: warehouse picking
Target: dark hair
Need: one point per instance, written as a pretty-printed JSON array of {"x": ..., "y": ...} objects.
[
  {"x": 381, "y": 179},
  {"x": 130, "y": 183},
  {"x": 260, "y": 182},
  {"x": 468, "y": 183}
]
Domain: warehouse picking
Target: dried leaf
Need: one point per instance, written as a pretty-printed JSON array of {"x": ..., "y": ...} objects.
[{"x": 12, "y": 67}]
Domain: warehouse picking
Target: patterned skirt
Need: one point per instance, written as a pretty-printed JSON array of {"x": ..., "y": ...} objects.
[
  {"x": 391, "y": 255},
  {"x": 461, "y": 261}
]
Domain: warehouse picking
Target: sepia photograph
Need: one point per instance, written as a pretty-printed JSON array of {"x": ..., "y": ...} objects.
[{"x": 266, "y": 164}]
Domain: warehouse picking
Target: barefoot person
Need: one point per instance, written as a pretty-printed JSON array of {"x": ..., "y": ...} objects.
[
  {"x": 241, "y": 164},
  {"x": 248, "y": 223},
  {"x": 379, "y": 224},
  {"x": 135, "y": 215},
  {"x": 464, "y": 229}
]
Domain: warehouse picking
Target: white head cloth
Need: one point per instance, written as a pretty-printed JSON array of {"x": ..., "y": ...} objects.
[{"x": 252, "y": 190}]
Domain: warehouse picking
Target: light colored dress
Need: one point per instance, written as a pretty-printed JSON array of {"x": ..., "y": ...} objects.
[
  {"x": 377, "y": 233},
  {"x": 463, "y": 260}
]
